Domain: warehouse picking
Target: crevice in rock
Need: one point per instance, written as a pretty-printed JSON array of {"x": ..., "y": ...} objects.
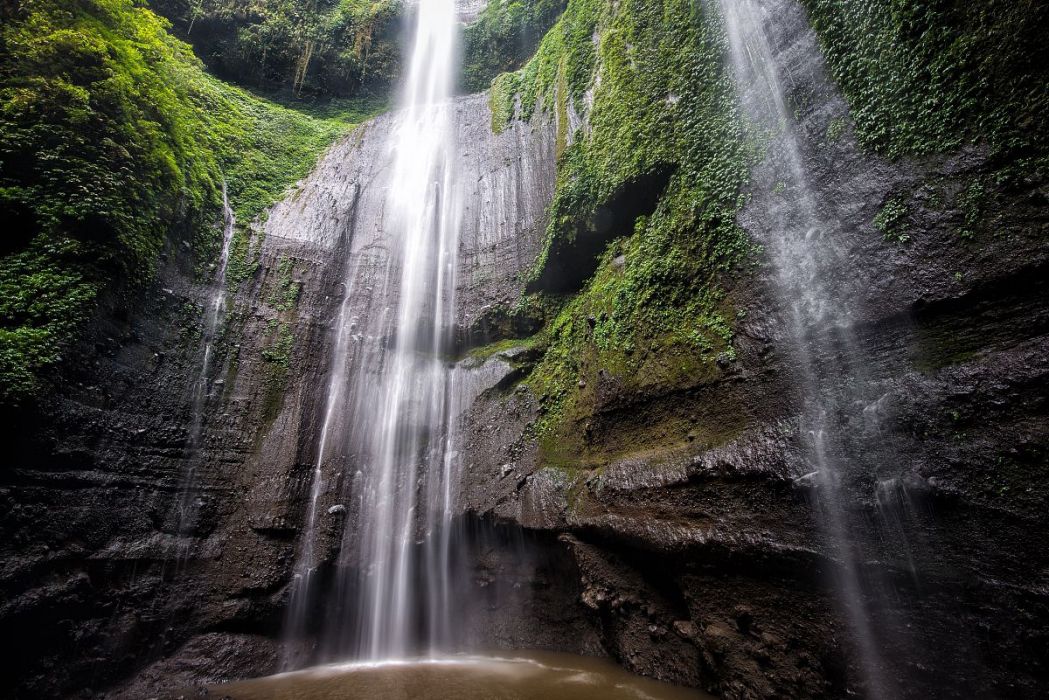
[{"x": 572, "y": 259}]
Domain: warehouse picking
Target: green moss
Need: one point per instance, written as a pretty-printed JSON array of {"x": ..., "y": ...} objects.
[
  {"x": 243, "y": 256},
  {"x": 567, "y": 52},
  {"x": 502, "y": 99},
  {"x": 278, "y": 352},
  {"x": 655, "y": 315},
  {"x": 486, "y": 351},
  {"x": 284, "y": 294},
  {"x": 929, "y": 77},
  {"x": 974, "y": 203},
  {"x": 890, "y": 220},
  {"x": 504, "y": 37},
  {"x": 277, "y": 358},
  {"x": 836, "y": 128},
  {"x": 924, "y": 76},
  {"x": 42, "y": 303},
  {"x": 114, "y": 140}
]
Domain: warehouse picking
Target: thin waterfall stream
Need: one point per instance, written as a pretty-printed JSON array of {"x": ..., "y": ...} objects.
[
  {"x": 809, "y": 258},
  {"x": 187, "y": 503}
]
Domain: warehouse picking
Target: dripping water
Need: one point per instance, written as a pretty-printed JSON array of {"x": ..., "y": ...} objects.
[
  {"x": 188, "y": 502},
  {"x": 809, "y": 260}
]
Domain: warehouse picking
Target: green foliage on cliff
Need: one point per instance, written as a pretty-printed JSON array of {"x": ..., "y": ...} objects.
[
  {"x": 662, "y": 114},
  {"x": 342, "y": 48},
  {"x": 504, "y": 37},
  {"x": 112, "y": 138},
  {"x": 281, "y": 294},
  {"x": 890, "y": 220},
  {"x": 567, "y": 54},
  {"x": 926, "y": 76},
  {"x": 284, "y": 294}
]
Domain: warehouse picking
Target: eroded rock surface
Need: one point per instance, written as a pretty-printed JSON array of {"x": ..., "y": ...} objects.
[
  {"x": 99, "y": 578},
  {"x": 704, "y": 562},
  {"x": 700, "y": 563}
]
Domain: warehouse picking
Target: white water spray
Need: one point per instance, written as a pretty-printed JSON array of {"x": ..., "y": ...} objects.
[
  {"x": 406, "y": 481},
  {"x": 389, "y": 409}
]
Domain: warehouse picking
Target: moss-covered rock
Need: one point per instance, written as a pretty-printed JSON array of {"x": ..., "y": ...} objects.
[
  {"x": 113, "y": 139},
  {"x": 924, "y": 77},
  {"x": 654, "y": 158},
  {"x": 504, "y": 37}
]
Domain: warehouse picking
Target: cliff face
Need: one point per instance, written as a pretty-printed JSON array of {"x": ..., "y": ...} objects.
[
  {"x": 100, "y": 577},
  {"x": 683, "y": 539},
  {"x": 702, "y": 560}
]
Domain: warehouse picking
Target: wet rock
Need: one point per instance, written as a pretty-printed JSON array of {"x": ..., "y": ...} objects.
[
  {"x": 686, "y": 628},
  {"x": 712, "y": 532},
  {"x": 118, "y": 489},
  {"x": 728, "y": 521}
]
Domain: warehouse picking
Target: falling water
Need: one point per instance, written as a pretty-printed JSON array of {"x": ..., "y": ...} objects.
[
  {"x": 807, "y": 256},
  {"x": 405, "y": 481},
  {"x": 187, "y": 503},
  {"x": 390, "y": 397}
]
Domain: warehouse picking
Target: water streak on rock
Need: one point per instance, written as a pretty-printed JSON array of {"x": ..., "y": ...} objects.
[{"x": 187, "y": 504}]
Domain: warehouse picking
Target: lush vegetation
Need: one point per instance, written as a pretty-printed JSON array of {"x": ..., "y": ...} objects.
[
  {"x": 504, "y": 37},
  {"x": 344, "y": 48},
  {"x": 662, "y": 114},
  {"x": 925, "y": 76},
  {"x": 113, "y": 139}
]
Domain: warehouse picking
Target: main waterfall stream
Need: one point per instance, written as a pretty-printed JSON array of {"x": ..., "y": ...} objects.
[
  {"x": 390, "y": 388},
  {"x": 386, "y": 448}
]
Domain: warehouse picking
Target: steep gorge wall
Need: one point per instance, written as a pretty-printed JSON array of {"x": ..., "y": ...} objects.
[
  {"x": 680, "y": 535},
  {"x": 689, "y": 505},
  {"x": 94, "y": 578},
  {"x": 99, "y": 579}
]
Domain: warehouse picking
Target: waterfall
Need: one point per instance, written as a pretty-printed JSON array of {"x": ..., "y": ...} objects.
[
  {"x": 385, "y": 441},
  {"x": 187, "y": 502},
  {"x": 810, "y": 262},
  {"x": 405, "y": 481}
]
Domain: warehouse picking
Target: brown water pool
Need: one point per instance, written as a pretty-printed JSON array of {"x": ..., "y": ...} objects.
[{"x": 513, "y": 676}]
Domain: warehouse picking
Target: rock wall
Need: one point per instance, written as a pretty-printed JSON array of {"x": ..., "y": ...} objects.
[
  {"x": 701, "y": 563},
  {"x": 704, "y": 563},
  {"x": 101, "y": 586}
]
